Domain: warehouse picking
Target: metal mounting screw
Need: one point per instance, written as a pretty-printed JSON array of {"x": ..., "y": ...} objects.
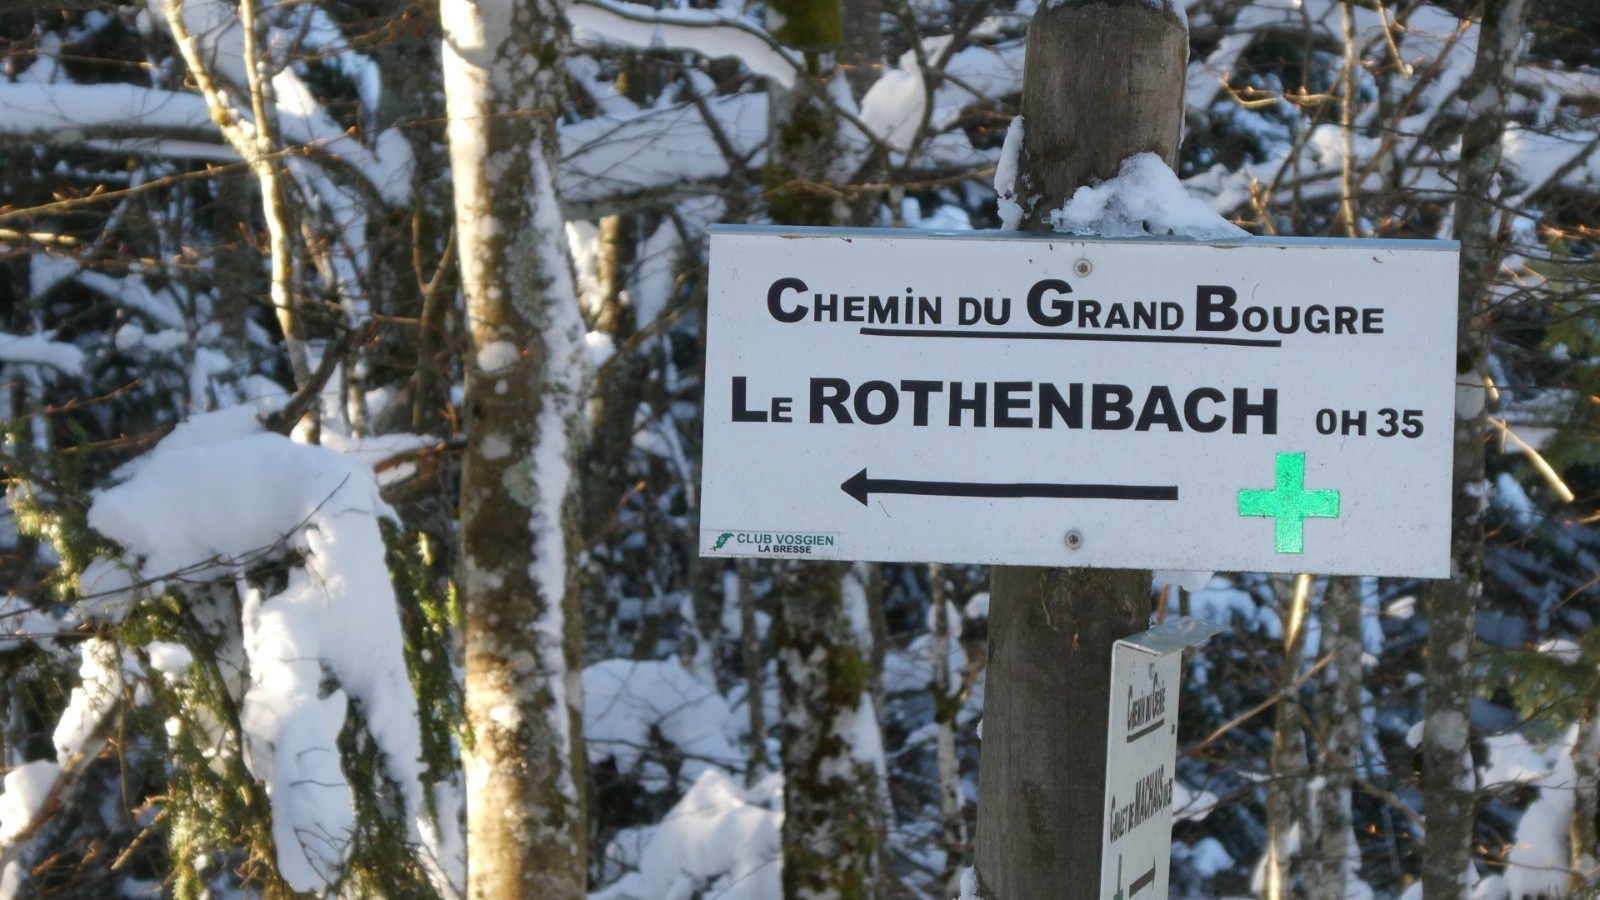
[
  {"x": 1074, "y": 539},
  {"x": 1082, "y": 267}
]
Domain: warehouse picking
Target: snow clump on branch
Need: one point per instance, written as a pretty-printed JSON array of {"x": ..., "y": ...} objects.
[{"x": 219, "y": 493}]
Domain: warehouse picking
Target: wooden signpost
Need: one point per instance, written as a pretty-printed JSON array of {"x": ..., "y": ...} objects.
[{"x": 1076, "y": 412}]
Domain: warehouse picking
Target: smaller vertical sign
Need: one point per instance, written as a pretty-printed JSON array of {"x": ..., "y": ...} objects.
[{"x": 1141, "y": 755}]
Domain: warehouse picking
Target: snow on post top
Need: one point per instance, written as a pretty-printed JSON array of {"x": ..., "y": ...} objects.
[
  {"x": 1005, "y": 177},
  {"x": 1145, "y": 198},
  {"x": 1173, "y": 6}
]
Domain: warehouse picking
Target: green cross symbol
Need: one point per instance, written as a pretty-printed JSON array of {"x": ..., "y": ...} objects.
[{"x": 1290, "y": 504}]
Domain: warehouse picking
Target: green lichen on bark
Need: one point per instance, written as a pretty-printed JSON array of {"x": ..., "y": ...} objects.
[
  {"x": 429, "y": 618},
  {"x": 527, "y": 282},
  {"x": 832, "y": 808},
  {"x": 833, "y": 800},
  {"x": 217, "y": 816},
  {"x": 525, "y": 821}
]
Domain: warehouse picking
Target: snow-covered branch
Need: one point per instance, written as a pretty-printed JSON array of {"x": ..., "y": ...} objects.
[{"x": 713, "y": 35}]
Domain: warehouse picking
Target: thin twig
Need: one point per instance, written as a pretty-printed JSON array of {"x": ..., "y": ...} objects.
[
  {"x": 1254, "y": 711},
  {"x": 284, "y": 420}
]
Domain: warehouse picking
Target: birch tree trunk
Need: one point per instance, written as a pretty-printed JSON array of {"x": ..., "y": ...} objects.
[
  {"x": 255, "y": 138},
  {"x": 1287, "y": 778},
  {"x": 526, "y": 833},
  {"x": 274, "y": 195},
  {"x": 1104, "y": 80},
  {"x": 1340, "y": 722},
  {"x": 946, "y": 706},
  {"x": 617, "y": 387},
  {"x": 1447, "y": 775}
]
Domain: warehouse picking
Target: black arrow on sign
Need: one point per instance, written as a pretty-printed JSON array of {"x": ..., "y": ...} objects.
[
  {"x": 1142, "y": 882},
  {"x": 860, "y": 487}
]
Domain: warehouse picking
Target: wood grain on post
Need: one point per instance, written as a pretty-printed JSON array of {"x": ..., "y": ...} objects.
[{"x": 1104, "y": 81}]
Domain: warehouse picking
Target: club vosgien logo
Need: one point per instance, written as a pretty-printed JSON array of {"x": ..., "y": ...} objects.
[{"x": 771, "y": 543}]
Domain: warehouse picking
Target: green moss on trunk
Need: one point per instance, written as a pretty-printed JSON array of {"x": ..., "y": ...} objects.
[
  {"x": 808, "y": 24},
  {"x": 832, "y": 816}
]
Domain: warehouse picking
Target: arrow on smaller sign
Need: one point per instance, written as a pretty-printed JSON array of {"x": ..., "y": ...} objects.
[
  {"x": 1142, "y": 882},
  {"x": 860, "y": 487}
]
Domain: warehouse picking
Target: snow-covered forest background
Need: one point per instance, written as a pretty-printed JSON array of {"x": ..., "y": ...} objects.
[{"x": 271, "y": 501}]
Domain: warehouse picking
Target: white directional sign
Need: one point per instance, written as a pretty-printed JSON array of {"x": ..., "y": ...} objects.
[
  {"x": 1141, "y": 755},
  {"x": 1260, "y": 405}
]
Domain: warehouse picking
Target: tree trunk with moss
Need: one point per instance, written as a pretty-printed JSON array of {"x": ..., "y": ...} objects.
[
  {"x": 1104, "y": 81},
  {"x": 526, "y": 829},
  {"x": 1583, "y": 841},
  {"x": 833, "y": 814}
]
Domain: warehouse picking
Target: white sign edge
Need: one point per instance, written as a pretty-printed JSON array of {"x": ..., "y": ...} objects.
[{"x": 820, "y": 232}]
